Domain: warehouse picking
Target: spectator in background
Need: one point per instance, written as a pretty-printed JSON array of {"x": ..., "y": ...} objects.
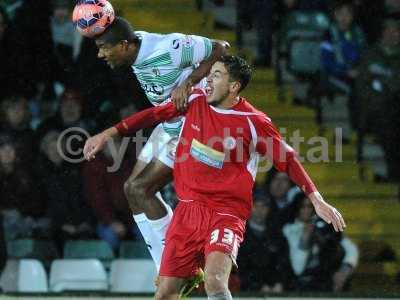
[
  {"x": 66, "y": 40},
  {"x": 22, "y": 203},
  {"x": 263, "y": 255},
  {"x": 343, "y": 44},
  {"x": 16, "y": 124},
  {"x": 70, "y": 114},
  {"x": 260, "y": 13},
  {"x": 280, "y": 190},
  {"x": 104, "y": 192},
  {"x": 340, "y": 54},
  {"x": 321, "y": 259},
  {"x": 62, "y": 182},
  {"x": 378, "y": 88},
  {"x": 31, "y": 30}
]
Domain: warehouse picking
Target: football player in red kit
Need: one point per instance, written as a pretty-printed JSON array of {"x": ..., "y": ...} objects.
[{"x": 215, "y": 167}]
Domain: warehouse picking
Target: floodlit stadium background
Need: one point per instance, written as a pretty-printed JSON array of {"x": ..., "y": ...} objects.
[{"x": 371, "y": 208}]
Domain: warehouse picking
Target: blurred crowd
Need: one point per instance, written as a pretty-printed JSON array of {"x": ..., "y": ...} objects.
[
  {"x": 287, "y": 248},
  {"x": 341, "y": 58},
  {"x": 52, "y": 80}
]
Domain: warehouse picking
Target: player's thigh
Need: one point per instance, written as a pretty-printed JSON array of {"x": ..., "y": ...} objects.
[
  {"x": 224, "y": 238},
  {"x": 218, "y": 266},
  {"x": 137, "y": 169},
  {"x": 168, "y": 287},
  {"x": 154, "y": 145},
  {"x": 154, "y": 176}
]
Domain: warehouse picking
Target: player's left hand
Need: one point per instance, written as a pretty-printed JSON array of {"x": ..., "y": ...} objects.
[
  {"x": 94, "y": 145},
  {"x": 327, "y": 212},
  {"x": 179, "y": 96}
]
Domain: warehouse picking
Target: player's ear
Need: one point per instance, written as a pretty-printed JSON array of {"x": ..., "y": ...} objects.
[
  {"x": 235, "y": 87},
  {"x": 124, "y": 44}
]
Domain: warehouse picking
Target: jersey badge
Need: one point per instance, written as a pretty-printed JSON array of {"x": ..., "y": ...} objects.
[{"x": 207, "y": 155}]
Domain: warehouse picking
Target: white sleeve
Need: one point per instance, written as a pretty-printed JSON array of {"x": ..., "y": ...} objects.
[
  {"x": 352, "y": 254},
  {"x": 189, "y": 50}
]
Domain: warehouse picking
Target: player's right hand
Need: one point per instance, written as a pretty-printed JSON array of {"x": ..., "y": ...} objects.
[
  {"x": 179, "y": 96},
  {"x": 327, "y": 212},
  {"x": 94, "y": 145}
]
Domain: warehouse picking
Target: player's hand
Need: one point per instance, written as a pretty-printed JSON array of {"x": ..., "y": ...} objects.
[
  {"x": 179, "y": 96},
  {"x": 327, "y": 212},
  {"x": 94, "y": 145}
]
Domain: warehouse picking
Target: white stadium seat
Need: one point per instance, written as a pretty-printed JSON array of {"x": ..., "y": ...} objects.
[
  {"x": 32, "y": 276},
  {"x": 77, "y": 275},
  {"x": 25, "y": 275},
  {"x": 133, "y": 276}
]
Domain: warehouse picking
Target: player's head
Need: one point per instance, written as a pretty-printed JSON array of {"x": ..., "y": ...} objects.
[
  {"x": 228, "y": 76},
  {"x": 118, "y": 45}
]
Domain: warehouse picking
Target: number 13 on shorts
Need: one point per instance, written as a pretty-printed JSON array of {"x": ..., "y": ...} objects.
[
  {"x": 225, "y": 240},
  {"x": 227, "y": 237}
]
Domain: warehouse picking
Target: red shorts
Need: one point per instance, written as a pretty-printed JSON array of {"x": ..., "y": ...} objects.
[{"x": 194, "y": 232}]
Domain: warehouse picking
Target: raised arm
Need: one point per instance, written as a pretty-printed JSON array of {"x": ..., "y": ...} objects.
[
  {"x": 180, "y": 94},
  {"x": 145, "y": 118},
  {"x": 284, "y": 158}
]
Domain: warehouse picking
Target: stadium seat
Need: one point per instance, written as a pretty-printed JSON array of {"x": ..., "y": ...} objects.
[
  {"x": 32, "y": 276},
  {"x": 77, "y": 275},
  {"x": 302, "y": 33},
  {"x": 25, "y": 275},
  {"x": 43, "y": 250},
  {"x": 132, "y": 276},
  {"x": 88, "y": 249},
  {"x": 137, "y": 249}
]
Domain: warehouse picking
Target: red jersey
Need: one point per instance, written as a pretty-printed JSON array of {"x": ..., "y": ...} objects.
[{"x": 217, "y": 155}]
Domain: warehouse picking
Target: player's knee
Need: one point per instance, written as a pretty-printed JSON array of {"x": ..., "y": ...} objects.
[
  {"x": 132, "y": 194},
  {"x": 137, "y": 190},
  {"x": 215, "y": 282},
  {"x": 128, "y": 189}
]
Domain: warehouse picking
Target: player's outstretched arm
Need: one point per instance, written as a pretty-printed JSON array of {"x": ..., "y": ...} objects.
[
  {"x": 285, "y": 160},
  {"x": 143, "y": 119},
  {"x": 180, "y": 95}
]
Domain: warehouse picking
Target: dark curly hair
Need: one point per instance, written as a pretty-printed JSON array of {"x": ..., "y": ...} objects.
[{"x": 238, "y": 69}]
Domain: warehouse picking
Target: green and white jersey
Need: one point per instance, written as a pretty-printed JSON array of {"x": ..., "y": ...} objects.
[{"x": 164, "y": 61}]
